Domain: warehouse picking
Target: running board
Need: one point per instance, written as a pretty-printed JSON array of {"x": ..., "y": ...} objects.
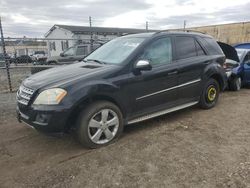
[{"x": 149, "y": 116}]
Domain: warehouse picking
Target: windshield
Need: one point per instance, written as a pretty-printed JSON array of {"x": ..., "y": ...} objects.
[
  {"x": 240, "y": 53},
  {"x": 115, "y": 51},
  {"x": 39, "y": 52}
]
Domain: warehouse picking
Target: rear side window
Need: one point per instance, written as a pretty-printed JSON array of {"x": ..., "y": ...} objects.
[
  {"x": 185, "y": 47},
  {"x": 200, "y": 51},
  {"x": 211, "y": 45},
  {"x": 82, "y": 50},
  {"x": 247, "y": 57}
]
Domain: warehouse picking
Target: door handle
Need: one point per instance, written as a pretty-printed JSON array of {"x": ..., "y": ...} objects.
[{"x": 172, "y": 73}]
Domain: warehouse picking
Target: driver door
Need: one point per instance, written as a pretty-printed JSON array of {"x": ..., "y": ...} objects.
[{"x": 154, "y": 90}]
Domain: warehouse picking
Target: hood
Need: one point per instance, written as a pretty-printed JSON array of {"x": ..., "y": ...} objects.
[
  {"x": 229, "y": 51},
  {"x": 65, "y": 74}
]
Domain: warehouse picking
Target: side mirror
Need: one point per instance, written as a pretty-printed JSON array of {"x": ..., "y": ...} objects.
[
  {"x": 62, "y": 54},
  {"x": 143, "y": 65}
]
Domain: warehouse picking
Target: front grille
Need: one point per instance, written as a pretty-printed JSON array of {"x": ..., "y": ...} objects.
[{"x": 24, "y": 95}]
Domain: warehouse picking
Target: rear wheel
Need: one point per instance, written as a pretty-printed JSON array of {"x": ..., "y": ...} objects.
[
  {"x": 210, "y": 94},
  {"x": 99, "y": 124},
  {"x": 235, "y": 84},
  {"x": 51, "y": 63}
]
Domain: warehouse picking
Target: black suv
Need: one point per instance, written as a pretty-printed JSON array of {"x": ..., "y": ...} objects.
[{"x": 129, "y": 79}]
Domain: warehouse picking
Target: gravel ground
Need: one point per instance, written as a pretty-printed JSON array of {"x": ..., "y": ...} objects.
[{"x": 189, "y": 148}]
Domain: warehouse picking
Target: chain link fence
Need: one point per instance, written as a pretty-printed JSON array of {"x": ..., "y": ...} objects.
[{"x": 26, "y": 56}]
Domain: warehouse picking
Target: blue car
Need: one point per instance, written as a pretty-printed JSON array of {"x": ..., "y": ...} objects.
[
  {"x": 241, "y": 74},
  {"x": 237, "y": 69}
]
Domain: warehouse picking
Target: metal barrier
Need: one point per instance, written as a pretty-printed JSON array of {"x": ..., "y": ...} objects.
[
  {"x": 21, "y": 57},
  {"x": 18, "y": 74}
]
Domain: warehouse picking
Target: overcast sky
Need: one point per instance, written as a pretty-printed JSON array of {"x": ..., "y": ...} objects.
[{"x": 33, "y": 18}]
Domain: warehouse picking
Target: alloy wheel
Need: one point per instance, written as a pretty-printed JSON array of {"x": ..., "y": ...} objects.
[{"x": 103, "y": 126}]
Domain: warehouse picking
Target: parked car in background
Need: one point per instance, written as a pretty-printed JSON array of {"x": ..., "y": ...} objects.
[
  {"x": 127, "y": 80},
  {"x": 232, "y": 66},
  {"x": 239, "y": 71},
  {"x": 2, "y": 60},
  {"x": 232, "y": 70},
  {"x": 244, "y": 68},
  {"x": 245, "y": 45},
  {"x": 23, "y": 59},
  {"x": 70, "y": 55},
  {"x": 39, "y": 56}
]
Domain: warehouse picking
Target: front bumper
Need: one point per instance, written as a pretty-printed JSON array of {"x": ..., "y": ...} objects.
[
  {"x": 50, "y": 120},
  {"x": 229, "y": 73}
]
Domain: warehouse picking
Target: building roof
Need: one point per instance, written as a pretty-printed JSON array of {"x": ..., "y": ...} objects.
[
  {"x": 99, "y": 30},
  {"x": 24, "y": 42}
]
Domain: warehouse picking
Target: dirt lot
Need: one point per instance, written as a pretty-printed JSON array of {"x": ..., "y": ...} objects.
[{"x": 189, "y": 148}]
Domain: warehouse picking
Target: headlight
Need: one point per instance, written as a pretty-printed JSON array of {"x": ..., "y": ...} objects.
[{"x": 51, "y": 96}]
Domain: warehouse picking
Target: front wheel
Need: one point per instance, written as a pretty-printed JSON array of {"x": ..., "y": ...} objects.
[
  {"x": 210, "y": 94},
  {"x": 99, "y": 124}
]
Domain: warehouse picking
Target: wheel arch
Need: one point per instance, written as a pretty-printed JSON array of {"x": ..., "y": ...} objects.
[
  {"x": 71, "y": 122},
  {"x": 219, "y": 79},
  {"x": 217, "y": 72}
]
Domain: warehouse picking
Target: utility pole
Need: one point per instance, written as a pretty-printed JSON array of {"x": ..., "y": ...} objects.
[
  {"x": 5, "y": 56},
  {"x": 91, "y": 34},
  {"x": 184, "y": 25},
  {"x": 147, "y": 26}
]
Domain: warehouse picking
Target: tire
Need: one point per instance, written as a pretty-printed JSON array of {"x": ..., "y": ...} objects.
[
  {"x": 92, "y": 128},
  {"x": 51, "y": 63},
  {"x": 235, "y": 84},
  {"x": 210, "y": 94}
]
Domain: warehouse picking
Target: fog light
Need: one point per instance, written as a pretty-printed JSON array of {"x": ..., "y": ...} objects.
[{"x": 42, "y": 118}]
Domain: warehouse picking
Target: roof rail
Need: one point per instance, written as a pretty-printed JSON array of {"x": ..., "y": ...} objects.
[{"x": 180, "y": 30}]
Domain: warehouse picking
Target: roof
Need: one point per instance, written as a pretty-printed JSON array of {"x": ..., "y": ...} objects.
[
  {"x": 183, "y": 32},
  {"x": 143, "y": 35},
  {"x": 100, "y": 30},
  {"x": 243, "y": 45}
]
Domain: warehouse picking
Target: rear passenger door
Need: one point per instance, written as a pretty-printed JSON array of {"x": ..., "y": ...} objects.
[{"x": 191, "y": 60}]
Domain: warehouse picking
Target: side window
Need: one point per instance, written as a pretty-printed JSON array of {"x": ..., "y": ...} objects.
[
  {"x": 81, "y": 50},
  {"x": 200, "y": 51},
  {"x": 247, "y": 58},
  {"x": 69, "y": 52},
  {"x": 212, "y": 46},
  {"x": 159, "y": 52},
  {"x": 185, "y": 47}
]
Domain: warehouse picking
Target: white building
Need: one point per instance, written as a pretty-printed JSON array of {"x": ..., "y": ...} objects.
[
  {"x": 61, "y": 37},
  {"x": 23, "y": 47}
]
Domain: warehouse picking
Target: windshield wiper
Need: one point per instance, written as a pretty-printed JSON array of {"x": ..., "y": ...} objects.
[{"x": 94, "y": 60}]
